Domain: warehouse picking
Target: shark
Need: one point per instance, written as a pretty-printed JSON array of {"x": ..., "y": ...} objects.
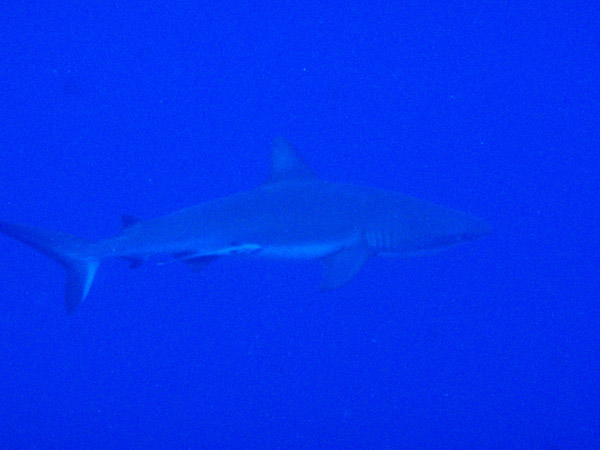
[{"x": 293, "y": 215}]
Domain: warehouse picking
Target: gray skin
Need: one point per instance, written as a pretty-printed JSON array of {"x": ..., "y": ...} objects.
[{"x": 295, "y": 215}]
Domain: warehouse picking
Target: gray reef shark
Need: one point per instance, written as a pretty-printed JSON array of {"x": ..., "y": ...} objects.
[{"x": 294, "y": 215}]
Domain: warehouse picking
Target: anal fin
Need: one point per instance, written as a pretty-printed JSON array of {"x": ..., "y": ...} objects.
[
  {"x": 134, "y": 263},
  {"x": 199, "y": 263}
]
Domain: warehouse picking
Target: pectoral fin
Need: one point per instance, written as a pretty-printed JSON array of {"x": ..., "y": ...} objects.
[{"x": 340, "y": 267}]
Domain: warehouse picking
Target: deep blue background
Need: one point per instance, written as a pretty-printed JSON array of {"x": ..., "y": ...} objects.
[{"x": 115, "y": 107}]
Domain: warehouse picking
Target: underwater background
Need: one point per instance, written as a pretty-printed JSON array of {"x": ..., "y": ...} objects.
[{"x": 141, "y": 108}]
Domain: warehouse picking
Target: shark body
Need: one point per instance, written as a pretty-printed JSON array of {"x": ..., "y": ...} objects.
[{"x": 294, "y": 215}]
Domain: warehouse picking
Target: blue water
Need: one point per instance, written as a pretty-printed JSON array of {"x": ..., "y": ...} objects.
[{"x": 116, "y": 107}]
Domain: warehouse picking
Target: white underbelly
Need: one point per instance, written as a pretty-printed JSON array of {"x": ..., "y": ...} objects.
[{"x": 301, "y": 251}]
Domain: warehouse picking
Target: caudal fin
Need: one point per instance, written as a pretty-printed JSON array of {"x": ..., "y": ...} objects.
[{"x": 71, "y": 252}]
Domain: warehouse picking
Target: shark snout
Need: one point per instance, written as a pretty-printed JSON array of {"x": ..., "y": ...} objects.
[
  {"x": 475, "y": 228},
  {"x": 455, "y": 228},
  {"x": 461, "y": 227}
]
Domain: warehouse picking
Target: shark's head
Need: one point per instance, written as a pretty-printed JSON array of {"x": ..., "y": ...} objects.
[
  {"x": 413, "y": 225},
  {"x": 456, "y": 227}
]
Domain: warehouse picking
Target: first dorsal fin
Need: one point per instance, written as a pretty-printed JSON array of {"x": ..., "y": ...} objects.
[{"x": 286, "y": 163}]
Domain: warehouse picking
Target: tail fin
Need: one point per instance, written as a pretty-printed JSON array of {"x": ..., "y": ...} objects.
[{"x": 73, "y": 253}]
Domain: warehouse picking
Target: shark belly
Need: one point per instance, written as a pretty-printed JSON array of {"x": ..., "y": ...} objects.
[{"x": 313, "y": 250}]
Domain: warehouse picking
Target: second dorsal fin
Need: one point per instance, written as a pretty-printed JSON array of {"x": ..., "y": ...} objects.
[{"x": 127, "y": 221}]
